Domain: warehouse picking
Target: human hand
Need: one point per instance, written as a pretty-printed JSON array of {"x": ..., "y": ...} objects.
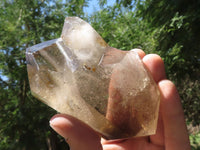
[{"x": 171, "y": 132}]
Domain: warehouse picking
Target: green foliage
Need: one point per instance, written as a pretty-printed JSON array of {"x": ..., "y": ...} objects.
[
  {"x": 189, "y": 92},
  {"x": 121, "y": 3},
  {"x": 75, "y": 7},
  {"x": 120, "y": 28},
  {"x": 195, "y": 141}
]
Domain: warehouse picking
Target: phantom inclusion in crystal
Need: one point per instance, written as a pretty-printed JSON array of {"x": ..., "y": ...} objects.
[{"x": 79, "y": 74}]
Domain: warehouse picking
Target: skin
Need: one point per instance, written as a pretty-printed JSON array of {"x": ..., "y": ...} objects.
[{"x": 171, "y": 132}]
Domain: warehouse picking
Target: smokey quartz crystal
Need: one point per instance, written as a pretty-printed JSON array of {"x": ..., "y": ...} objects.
[{"x": 79, "y": 74}]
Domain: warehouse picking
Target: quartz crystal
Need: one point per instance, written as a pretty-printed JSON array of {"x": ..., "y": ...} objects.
[{"x": 79, "y": 74}]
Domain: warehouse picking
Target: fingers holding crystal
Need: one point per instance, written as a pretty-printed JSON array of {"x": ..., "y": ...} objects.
[
  {"x": 140, "y": 52},
  {"x": 175, "y": 130},
  {"x": 94, "y": 80},
  {"x": 155, "y": 65},
  {"x": 77, "y": 134}
]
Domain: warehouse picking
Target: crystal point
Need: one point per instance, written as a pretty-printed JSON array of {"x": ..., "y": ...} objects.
[{"x": 80, "y": 75}]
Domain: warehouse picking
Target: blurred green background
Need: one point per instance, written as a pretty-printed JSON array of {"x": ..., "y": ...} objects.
[{"x": 165, "y": 27}]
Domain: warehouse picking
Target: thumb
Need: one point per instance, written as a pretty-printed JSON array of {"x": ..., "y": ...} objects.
[{"x": 77, "y": 134}]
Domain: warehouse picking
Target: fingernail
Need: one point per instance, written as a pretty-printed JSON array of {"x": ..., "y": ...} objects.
[
  {"x": 53, "y": 121},
  {"x": 59, "y": 121},
  {"x": 60, "y": 124}
]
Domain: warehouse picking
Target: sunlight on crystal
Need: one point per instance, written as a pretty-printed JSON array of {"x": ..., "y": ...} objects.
[{"x": 80, "y": 75}]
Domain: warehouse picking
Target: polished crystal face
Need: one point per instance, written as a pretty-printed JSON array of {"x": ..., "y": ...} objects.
[{"x": 79, "y": 74}]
